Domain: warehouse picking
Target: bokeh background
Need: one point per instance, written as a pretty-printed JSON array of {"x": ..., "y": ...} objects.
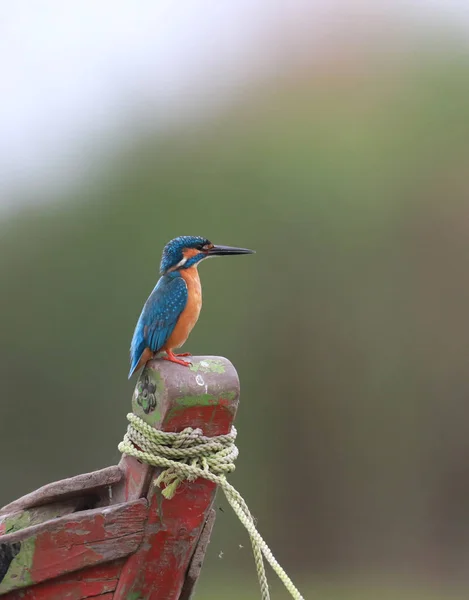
[{"x": 332, "y": 137}]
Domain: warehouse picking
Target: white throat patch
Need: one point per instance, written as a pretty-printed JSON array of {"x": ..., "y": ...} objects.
[{"x": 181, "y": 263}]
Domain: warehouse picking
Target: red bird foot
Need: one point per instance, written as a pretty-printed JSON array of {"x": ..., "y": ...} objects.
[
  {"x": 171, "y": 357},
  {"x": 183, "y": 354}
]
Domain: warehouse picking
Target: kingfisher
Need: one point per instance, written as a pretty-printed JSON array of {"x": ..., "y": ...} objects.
[{"x": 173, "y": 307}]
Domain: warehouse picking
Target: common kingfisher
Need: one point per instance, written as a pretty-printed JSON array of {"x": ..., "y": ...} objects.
[{"x": 173, "y": 307}]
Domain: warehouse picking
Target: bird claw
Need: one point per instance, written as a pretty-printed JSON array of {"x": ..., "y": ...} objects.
[
  {"x": 183, "y": 354},
  {"x": 172, "y": 358}
]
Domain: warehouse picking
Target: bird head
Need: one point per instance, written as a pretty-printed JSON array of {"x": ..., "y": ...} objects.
[{"x": 188, "y": 250}]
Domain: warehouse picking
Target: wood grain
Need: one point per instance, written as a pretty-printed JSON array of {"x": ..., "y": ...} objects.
[
  {"x": 72, "y": 542},
  {"x": 59, "y": 490}
]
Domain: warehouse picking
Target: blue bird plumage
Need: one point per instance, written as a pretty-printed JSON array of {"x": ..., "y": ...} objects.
[
  {"x": 159, "y": 316},
  {"x": 174, "y": 304}
]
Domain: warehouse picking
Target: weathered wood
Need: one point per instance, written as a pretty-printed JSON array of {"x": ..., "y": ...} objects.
[
  {"x": 94, "y": 582},
  {"x": 70, "y": 543},
  {"x": 11, "y": 522},
  {"x": 170, "y": 397},
  {"x": 153, "y": 548},
  {"x": 59, "y": 490},
  {"x": 198, "y": 558}
]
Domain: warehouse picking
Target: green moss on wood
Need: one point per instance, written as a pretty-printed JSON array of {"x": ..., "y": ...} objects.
[
  {"x": 34, "y": 516},
  {"x": 209, "y": 365},
  {"x": 17, "y": 521},
  {"x": 19, "y": 572},
  {"x": 202, "y": 400}
]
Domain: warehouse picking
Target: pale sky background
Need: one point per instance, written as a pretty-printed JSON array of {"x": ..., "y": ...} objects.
[{"x": 73, "y": 74}]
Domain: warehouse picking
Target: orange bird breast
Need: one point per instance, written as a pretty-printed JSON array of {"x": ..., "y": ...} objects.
[{"x": 191, "y": 312}]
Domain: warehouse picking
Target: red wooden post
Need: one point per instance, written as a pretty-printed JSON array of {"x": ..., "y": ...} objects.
[{"x": 171, "y": 398}]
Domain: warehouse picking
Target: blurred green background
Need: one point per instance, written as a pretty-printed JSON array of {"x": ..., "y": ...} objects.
[{"x": 346, "y": 168}]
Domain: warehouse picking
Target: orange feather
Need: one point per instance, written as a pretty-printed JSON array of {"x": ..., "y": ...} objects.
[{"x": 191, "y": 312}]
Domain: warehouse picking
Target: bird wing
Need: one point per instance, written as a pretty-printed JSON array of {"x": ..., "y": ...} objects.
[{"x": 159, "y": 317}]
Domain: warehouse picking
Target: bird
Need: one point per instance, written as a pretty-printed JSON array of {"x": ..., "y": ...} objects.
[{"x": 172, "y": 309}]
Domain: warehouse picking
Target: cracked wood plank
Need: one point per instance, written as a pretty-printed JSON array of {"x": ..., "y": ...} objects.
[
  {"x": 70, "y": 543},
  {"x": 59, "y": 490},
  {"x": 16, "y": 521},
  {"x": 198, "y": 558},
  {"x": 96, "y": 582}
]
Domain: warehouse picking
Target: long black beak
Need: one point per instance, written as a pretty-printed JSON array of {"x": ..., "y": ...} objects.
[{"x": 227, "y": 250}]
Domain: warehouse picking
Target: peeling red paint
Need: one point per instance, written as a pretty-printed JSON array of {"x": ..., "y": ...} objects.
[
  {"x": 77, "y": 541},
  {"x": 212, "y": 419},
  {"x": 99, "y": 581},
  {"x": 174, "y": 526},
  {"x": 135, "y": 544},
  {"x": 87, "y": 540}
]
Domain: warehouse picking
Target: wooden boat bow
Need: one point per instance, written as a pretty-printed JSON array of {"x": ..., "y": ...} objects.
[{"x": 111, "y": 534}]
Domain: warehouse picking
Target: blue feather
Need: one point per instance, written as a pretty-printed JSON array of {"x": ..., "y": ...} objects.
[{"x": 159, "y": 316}]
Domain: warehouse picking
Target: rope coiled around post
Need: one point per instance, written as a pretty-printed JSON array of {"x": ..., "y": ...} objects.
[{"x": 187, "y": 455}]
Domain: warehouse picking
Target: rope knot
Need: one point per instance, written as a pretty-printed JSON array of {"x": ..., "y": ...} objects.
[
  {"x": 190, "y": 454},
  {"x": 184, "y": 456}
]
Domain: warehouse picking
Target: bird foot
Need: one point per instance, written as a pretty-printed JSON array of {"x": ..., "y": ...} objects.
[
  {"x": 183, "y": 354},
  {"x": 171, "y": 357}
]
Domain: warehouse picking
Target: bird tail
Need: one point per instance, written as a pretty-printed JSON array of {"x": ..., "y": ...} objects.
[
  {"x": 137, "y": 349},
  {"x": 133, "y": 367},
  {"x": 140, "y": 359}
]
